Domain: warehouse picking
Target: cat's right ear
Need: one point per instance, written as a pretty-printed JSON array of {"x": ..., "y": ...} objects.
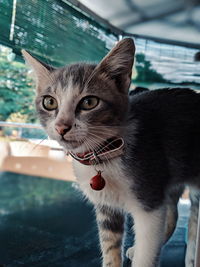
[
  {"x": 41, "y": 70},
  {"x": 118, "y": 63}
]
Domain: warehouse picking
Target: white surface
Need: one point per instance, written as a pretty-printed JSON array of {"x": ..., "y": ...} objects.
[{"x": 162, "y": 19}]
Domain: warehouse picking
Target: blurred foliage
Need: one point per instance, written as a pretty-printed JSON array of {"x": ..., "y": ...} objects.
[
  {"x": 145, "y": 72},
  {"x": 16, "y": 90},
  {"x": 17, "y": 117}
]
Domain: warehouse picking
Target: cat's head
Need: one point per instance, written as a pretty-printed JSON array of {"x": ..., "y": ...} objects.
[{"x": 83, "y": 105}]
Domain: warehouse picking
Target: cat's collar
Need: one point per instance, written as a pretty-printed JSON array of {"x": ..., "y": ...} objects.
[{"x": 113, "y": 148}]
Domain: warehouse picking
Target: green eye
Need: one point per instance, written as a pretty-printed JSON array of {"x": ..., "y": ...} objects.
[
  {"x": 89, "y": 102},
  {"x": 50, "y": 103}
]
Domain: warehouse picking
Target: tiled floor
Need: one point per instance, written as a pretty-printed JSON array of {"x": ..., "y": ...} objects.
[{"x": 46, "y": 222}]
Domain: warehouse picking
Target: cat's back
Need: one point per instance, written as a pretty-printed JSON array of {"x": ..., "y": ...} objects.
[
  {"x": 166, "y": 105},
  {"x": 167, "y": 130}
]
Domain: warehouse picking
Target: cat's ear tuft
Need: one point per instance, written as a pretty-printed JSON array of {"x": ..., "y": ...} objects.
[
  {"x": 41, "y": 70},
  {"x": 118, "y": 63}
]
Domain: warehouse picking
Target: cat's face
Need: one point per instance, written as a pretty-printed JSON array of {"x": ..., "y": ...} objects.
[{"x": 83, "y": 105}]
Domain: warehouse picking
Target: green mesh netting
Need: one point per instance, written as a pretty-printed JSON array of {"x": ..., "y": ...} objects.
[{"x": 53, "y": 30}]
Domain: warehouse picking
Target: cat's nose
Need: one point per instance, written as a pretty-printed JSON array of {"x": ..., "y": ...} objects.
[{"x": 62, "y": 129}]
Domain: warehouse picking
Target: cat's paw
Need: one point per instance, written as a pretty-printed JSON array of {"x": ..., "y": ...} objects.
[
  {"x": 189, "y": 263},
  {"x": 190, "y": 254},
  {"x": 130, "y": 253}
]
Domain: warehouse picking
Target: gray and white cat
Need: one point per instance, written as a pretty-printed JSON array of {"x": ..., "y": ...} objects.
[{"x": 150, "y": 145}]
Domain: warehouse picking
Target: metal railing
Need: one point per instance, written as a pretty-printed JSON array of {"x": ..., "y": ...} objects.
[{"x": 20, "y": 125}]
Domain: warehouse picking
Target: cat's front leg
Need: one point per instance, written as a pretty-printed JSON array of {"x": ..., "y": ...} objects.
[
  {"x": 111, "y": 227},
  {"x": 192, "y": 228},
  {"x": 149, "y": 236}
]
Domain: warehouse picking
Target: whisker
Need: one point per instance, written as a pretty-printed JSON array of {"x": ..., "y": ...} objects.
[
  {"x": 106, "y": 155},
  {"x": 90, "y": 77},
  {"x": 101, "y": 129},
  {"x": 89, "y": 146},
  {"x": 105, "y": 140},
  {"x": 99, "y": 138},
  {"x": 37, "y": 145},
  {"x": 94, "y": 149},
  {"x": 106, "y": 126},
  {"x": 99, "y": 144}
]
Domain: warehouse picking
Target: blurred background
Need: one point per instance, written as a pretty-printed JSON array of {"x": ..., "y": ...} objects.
[
  {"x": 166, "y": 33},
  {"x": 59, "y": 32}
]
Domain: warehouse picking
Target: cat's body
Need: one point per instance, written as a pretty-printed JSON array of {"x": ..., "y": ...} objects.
[
  {"x": 166, "y": 150},
  {"x": 83, "y": 106}
]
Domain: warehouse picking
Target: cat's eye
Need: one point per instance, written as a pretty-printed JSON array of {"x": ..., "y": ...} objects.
[
  {"x": 89, "y": 102},
  {"x": 50, "y": 103}
]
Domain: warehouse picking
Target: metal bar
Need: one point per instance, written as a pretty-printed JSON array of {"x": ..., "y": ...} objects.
[
  {"x": 88, "y": 12},
  {"x": 197, "y": 258},
  {"x": 152, "y": 17},
  {"x": 135, "y": 8},
  {"x": 26, "y": 125},
  {"x": 20, "y": 125},
  {"x": 163, "y": 41},
  {"x": 12, "y": 26}
]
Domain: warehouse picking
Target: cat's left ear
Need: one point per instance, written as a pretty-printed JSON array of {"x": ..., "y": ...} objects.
[
  {"x": 118, "y": 64},
  {"x": 41, "y": 70}
]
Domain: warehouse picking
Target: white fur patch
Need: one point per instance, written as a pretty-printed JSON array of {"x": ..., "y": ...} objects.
[
  {"x": 190, "y": 253},
  {"x": 149, "y": 235},
  {"x": 117, "y": 191},
  {"x": 130, "y": 253}
]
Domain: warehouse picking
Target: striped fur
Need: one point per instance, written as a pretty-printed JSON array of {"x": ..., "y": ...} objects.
[{"x": 111, "y": 226}]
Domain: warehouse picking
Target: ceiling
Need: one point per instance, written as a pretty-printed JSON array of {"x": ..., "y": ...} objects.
[{"x": 172, "y": 20}]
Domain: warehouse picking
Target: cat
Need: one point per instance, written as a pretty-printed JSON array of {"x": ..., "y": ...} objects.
[{"x": 130, "y": 152}]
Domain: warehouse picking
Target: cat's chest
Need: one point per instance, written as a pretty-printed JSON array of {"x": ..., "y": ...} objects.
[{"x": 117, "y": 190}]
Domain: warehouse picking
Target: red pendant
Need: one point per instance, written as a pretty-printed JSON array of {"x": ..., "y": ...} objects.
[{"x": 97, "y": 182}]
